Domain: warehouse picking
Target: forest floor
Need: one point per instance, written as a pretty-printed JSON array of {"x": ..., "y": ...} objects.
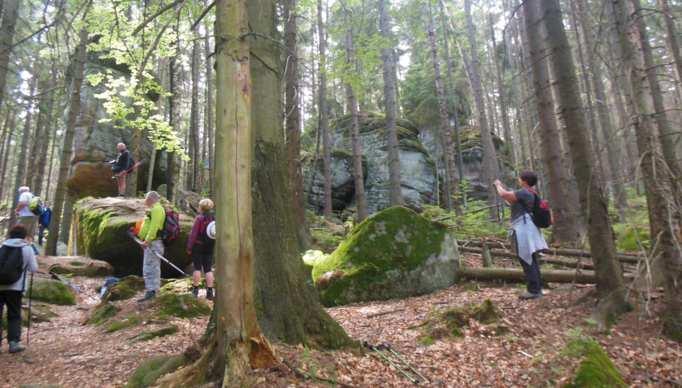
[{"x": 68, "y": 353}]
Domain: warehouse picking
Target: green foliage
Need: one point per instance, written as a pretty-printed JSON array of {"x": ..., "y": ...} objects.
[
  {"x": 473, "y": 223},
  {"x": 150, "y": 370},
  {"x": 596, "y": 368},
  {"x": 632, "y": 234},
  {"x": 124, "y": 323}
]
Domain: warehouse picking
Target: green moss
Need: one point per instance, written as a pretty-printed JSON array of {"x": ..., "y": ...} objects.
[
  {"x": 102, "y": 313},
  {"x": 181, "y": 306},
  {"x": 149, "y": 335},
  {"x": 150, "y": 370},
  {"x": 53, "y": 292},
  {"x": 596, "y": 368},
  {"x": 451, "y": 322},
  {"x": 125, "y": 323},
  {"x": 126, "y": 288},
  {"x": 76, "y": 263},
  {"x": 395, "y": 238},
  {"x": 324, "y": 240}
]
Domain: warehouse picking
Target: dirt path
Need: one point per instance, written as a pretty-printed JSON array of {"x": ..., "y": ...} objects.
[{"x": 68, "y": 353}]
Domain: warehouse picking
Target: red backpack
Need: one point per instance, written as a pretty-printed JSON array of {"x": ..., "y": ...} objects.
[
  {"x": 205, "y": 244},
  {"x": 171, "y": 227}
]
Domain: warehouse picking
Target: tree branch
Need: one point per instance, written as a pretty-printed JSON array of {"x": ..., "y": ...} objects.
[
  {"x": 202, "y": 16},
  {"x": 154, "y": 16}
]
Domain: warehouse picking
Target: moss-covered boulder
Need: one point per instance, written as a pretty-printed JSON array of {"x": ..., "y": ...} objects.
[
  {"x": 52, "y": 292},
  {"x": 150, "y": 370},
  {"x": 451, "y": 322},
  {"x": 126, "y": 288},
  {"x": 78, "y": 266},
  {"x": 101, "y": 313},
  {"x": 100, "y": 229},
  {"x": 395, "y": 253}
]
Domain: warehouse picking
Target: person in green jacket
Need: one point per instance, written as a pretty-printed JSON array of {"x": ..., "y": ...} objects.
[{"x": 150, "y": 234}]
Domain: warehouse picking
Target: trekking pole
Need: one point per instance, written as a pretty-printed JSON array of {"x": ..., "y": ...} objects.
[
  {"x": 157, "y": 254},
  {"x": 30, "y": 294}
]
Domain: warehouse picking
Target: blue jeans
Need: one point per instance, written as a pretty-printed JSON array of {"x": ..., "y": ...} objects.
[{"x": 533, "y": 277}]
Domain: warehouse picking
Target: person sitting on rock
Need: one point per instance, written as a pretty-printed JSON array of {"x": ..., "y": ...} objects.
[
  {"x": 526, "y": 238},
  {"x": 15, "y": 250},
  {"x": 200, "y": 248},
  {"x": 121, "y": 167},
  {"x": 150, "y": 234}
]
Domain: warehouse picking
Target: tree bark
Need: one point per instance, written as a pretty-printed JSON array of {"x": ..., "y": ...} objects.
[
  {"x": 292, "y": 112},
  {"x": 43, "y": 132},
  {"x": 323, "y": 112},
  {"x": 195, "y": 160},
  {"x": 490, "y": 163},
  {"x": 390, "y": 104},
  {"x": 4, "y": 157},
  {"x": 592, "y": 200},
  {"x": 501, "y": 94},
  {"x": 209, "y": 130},
  {"x": 445, "y": 129},
  {"x": 358, "y": 175},
  {"x": 517, "y": 275},
  {"x": 566, "y": 225},
  {"x": 9, "y": 21},
  {"x": 67, "y": 151},
  {"x": 661, "y": 202},
  {"x": 173, "y": 114}
]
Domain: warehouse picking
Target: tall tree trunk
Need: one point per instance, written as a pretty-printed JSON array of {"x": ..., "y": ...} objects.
[
  {"x": 323, "y": 110},
  {"x": 592, "y": 200},
  {"x": 490, "y": 163},
  {"x": 666, "y": 134},
  {"x": 20, "y": 179},
  {"x": 67, "y": 151},
  {"x": 208, "y": 113},
  {"x": 661, "y": 201},
  {"x": 674, "y": 48},
  {"x": 173, "y": 113},
  {"x": 53, "y": 148},
  {"x": 452, "y": 106},
  {"x": 501, "y": 93},
  {"x": 605, "y": 122},
  {"x": 195, "y": 159},
  {"x": 390, "y": 90},
  {"x": 566, "y": 226},
  {"x": 445, "y": 129},
  {"x": 293, "y": 117},
  {"x": 43, "y": 131},
  {"x": 358, "y": 175},
  {"x": 4, "y": 156},
  {"x": 9, "y": 20}
]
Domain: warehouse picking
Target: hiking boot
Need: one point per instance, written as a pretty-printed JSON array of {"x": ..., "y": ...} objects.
[
  {"x": 147, "y": 296},
  {"x": 529, "y": 295},
  {"x": 209, "y": 293},
  {"x": 16, "y": 347},
  {"x": 195, "y": 291}
]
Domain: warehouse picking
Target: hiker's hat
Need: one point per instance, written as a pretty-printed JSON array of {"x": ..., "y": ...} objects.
[{"x": 210, "y": 230}]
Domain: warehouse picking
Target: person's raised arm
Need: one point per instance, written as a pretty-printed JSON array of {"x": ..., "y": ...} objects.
[{"x": 505, "y": 194}]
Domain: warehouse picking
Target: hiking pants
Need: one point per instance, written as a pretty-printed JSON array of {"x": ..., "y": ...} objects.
[
  {"x": 12, "y": 299},
  {"x": 41, "y": 233},
  {"x": 151, "y": 266},
  {"x": 532, "y": 271}
]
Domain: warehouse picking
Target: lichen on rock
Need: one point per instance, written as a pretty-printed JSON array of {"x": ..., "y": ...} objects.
[{"x": 393, "y": 254}]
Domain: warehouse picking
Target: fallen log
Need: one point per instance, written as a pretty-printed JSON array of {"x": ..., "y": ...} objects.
[
  {"x": 631, "y": 258},
  {"x": 517, "y": 275},
  {"x": 553, "y": 252}
]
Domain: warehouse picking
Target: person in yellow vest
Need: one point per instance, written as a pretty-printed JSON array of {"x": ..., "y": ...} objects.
[{"x": 150, "y": 234}]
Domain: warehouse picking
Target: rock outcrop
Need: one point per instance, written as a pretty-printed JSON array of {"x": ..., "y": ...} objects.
[
  {"x": 395, "y": 253},
  {"x": 100, "y": 230},
  {"x": 418, "y": 170}
]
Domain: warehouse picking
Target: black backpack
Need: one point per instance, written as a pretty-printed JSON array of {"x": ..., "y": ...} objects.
[
  {"x": 11, "y": 265},
  {"x": 540, "y": 213}
]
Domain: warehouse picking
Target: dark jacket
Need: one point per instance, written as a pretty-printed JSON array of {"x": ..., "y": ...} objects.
[
  {"x": 198, "y": 241},
  {"x": 122, "y": 162}
]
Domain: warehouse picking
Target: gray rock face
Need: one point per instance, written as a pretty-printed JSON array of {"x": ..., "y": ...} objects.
[{"x": 418, "y": 170}]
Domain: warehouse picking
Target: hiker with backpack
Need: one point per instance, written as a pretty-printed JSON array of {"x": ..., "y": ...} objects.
[
  {"x": 44, "y": 223},
  {"x": 121, "y": 167},
  {"x": 152, "y": 243},
  {"x": 16, "y": 259},
  {"x": 200, "y": 248},
  {"x": 528, "y": 214},
  {"x": 25, "y": 216}
]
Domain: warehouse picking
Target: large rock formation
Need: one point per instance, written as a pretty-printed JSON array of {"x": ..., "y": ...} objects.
[
  {"x": 95, "y": 142},
  {"x": 395, "y": 253},
  {"x": 99, "y": 231},
  {"x": 418, "y": 170}
]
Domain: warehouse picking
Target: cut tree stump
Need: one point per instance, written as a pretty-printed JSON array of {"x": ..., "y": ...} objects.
[{"x": 517, "y": 275}]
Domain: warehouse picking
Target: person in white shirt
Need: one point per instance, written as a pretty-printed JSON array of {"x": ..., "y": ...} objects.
[{"x": 25, "y": 216}]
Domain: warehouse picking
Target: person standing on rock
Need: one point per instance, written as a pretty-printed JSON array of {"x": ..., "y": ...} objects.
[
  {"x": 25, "y": 216},
  {"x": 150, "y": 234},
  {"x": 121, "y": 166},
  {"x": 526, "y": 238},
  {"x": 200, "y": 248},
  {"x": 16, "y": 259}
]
